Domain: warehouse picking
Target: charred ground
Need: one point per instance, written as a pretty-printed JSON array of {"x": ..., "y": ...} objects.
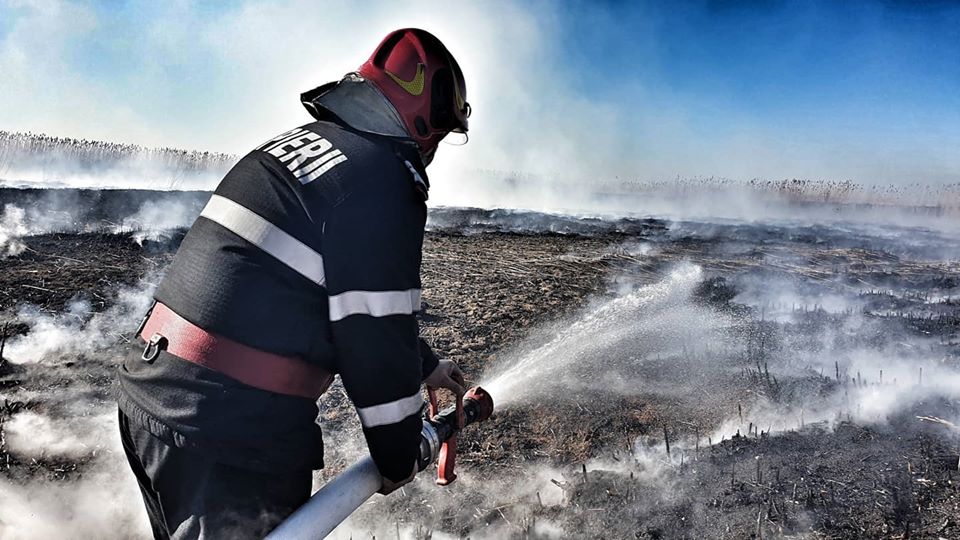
[{"x": 485, "y": 293}]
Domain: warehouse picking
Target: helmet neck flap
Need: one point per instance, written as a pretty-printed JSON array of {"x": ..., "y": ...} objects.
[{"x": 358, "y": 104}]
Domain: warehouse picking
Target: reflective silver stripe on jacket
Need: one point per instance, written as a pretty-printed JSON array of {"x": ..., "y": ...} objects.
[
  {"x": 374, "y": 303},
  {"x": 254, "y": 229},
  {"x": 390, "y": 413}
]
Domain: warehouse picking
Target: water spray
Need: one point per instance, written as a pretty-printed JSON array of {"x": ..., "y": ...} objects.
[{"x": 340, "y": 497}]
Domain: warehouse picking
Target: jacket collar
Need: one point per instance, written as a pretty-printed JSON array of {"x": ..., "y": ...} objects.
[{"x": 358, "y": 104}]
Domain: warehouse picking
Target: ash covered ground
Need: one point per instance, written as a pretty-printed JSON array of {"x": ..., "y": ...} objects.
[{"x": 654, "y": 378}]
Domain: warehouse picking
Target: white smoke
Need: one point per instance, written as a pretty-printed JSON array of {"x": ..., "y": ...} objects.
[
  {"x": 80, "y": 331},
  {"x": 103, "y": 502},
  {"x": 75, "y": 422},
  {"x": 56, "y": 211},
  {"x": 510, "y": 501},
  {"x": 144, "y": 215},
  {"x": 155, "y": 220},
  {"x": 18, "y": 222},
  {"x": 12, "y": 228},
  {"x": 33, "y": 435},
  {"x": 471, "y": 497}
]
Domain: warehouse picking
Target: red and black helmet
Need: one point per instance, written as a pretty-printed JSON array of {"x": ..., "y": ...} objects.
[{"x": 420, "y": 77}]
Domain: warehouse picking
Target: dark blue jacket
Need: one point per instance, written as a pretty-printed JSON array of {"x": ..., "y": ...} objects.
[{"x": 310, "y": 247}]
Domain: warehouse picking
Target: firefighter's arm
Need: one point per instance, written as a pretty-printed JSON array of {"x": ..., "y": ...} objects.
[
  {"x": 372, "y": 249},
  {"x": 428, "y": 358},
  {"x": 440, "y": 373}
]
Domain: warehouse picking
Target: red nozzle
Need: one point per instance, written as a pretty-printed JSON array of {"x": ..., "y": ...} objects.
[
  {"x": 483, "y": 400},
  {"x": 480, "y": 406}
]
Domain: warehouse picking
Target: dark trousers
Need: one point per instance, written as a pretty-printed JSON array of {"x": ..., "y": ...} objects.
[{"x": 190, "y": 496}]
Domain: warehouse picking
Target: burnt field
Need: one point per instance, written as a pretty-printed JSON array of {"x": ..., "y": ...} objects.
[{"x": 653, "y": 379}]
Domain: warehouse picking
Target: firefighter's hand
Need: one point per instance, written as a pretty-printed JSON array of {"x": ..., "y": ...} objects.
[
  {"x": 388, "y": 486},
  {"x": 447, "y": 375}
]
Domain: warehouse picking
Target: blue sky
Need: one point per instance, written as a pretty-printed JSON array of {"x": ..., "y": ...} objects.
[
  {"x": 868, "y": 91},
  {"x": 837, "y": 65}
]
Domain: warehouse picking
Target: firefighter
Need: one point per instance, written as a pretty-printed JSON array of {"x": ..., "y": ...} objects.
[{"x": 305, "y": 263}]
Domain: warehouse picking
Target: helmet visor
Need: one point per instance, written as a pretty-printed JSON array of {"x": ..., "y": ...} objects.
[{"x": 449, "y": 111}]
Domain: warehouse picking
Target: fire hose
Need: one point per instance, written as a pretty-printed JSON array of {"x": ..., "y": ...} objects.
[{"x": 340, "y": 497}]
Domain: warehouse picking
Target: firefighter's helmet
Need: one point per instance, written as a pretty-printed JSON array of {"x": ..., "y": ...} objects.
[{"x": 423, "y": 81}]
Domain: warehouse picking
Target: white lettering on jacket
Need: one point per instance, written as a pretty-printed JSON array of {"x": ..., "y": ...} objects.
[{"x": 305, "y": 154}]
